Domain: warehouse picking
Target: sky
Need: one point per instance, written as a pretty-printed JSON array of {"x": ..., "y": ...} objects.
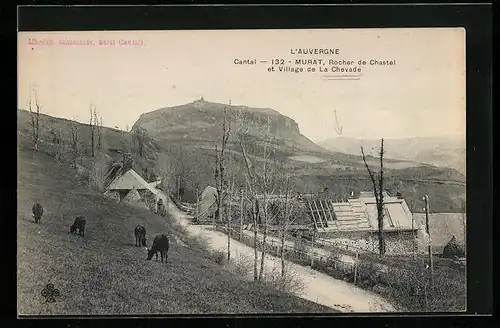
[{"x": 422, "y": 95}]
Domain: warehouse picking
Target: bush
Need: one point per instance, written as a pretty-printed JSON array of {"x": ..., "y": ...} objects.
[
  {"x": 98, "y": 172},
  {"x": 219, "y": 257},
  {"x": 242, "y": 265},
  {"x": 413, "y": 291},
  {"x": 290, "y": 282}
]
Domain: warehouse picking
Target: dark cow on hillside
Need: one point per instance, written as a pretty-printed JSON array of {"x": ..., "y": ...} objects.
[
  {"x": 79, "y": 225},
  {"x": 37, "y": 212},
  {"x": 161, "y": 210},
  {"x": 161, "y": 245},
  {"x": 140, "y": 235}
]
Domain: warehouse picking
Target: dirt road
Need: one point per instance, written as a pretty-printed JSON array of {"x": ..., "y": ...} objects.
[{"x": 318, "y": 287}]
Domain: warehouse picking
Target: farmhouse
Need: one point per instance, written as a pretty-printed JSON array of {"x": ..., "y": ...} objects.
[
  {"x": 207, "y": 205},
  {"x": 354, "y": 221},
  {"x": 131, "y": 188}
]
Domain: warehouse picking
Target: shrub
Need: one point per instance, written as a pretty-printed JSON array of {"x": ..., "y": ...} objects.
[
  {"x": 411, "y": 288},
  {"x": 242, "y": 265},
  {"x": 219, "y": 257},
  {"x": 290, "y": 282},
  {"x": 98, "y": 172}
]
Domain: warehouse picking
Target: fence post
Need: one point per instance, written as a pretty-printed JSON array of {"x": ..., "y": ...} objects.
[
  {"x": 312, "y": 251},
  {"x": 356, "y": 267}
]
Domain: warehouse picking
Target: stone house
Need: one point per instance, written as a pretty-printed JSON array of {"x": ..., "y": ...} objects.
[{"x": 354, "y": 222}]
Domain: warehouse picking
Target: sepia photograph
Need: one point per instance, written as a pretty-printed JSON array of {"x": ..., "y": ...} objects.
[{"x": 272, "y": 171}]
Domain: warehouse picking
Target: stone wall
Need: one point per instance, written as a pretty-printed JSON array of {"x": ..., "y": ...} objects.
[{"x": 397, "y": 243}]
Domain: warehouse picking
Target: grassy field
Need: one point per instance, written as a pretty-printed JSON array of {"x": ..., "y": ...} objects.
[{"x": 103, "y": 273}]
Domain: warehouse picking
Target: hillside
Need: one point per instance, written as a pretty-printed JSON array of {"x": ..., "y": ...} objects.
[
  {"x": 103, "y": 273},
  {"x": 438, "y": 151},
  {"x": 184, "y": 138},
  {"x": 200, "y": 122}
]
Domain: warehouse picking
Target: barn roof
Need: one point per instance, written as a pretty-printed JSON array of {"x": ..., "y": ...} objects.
[
  {"x": 128, "y": 181},
  {"x": 360, "y": 214},
  {"x": 397, "y": 215},
  {"x": 207, "y": 203}
]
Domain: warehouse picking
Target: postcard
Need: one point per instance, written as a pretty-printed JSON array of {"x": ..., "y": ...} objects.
[{"x": 241, "y": 172}]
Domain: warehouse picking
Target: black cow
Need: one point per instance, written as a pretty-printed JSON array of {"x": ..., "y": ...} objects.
[
  {"x": 37, "y": 212},
  {"x": 79, "y": 224},
  {"x": 162, "y": 211},
  {"x": 140, "y": 235},
  {"x": 160, "y": 244}
]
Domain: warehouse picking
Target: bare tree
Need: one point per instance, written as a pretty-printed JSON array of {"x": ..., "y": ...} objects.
[
  {"x": 35, "y": 119},
  {"x": 127, "y": 159},
  {"x": 58, "y": 141},
  {"x": 92, "y": 130},
  {"x": 286, "y": 221},
  {"x": 267, "y": 186},
  {"x": 228, "y": 213},
  {"x": 99, "y": 131},
  {"x": 140, "y": 136},
  {"x": 251, "y": 187},
  {"x": 220, "y": 178},
  {"x": 261, "y": 180},
  {"x": 74, "y": 142},
  {"x": 379, "y": 196}
]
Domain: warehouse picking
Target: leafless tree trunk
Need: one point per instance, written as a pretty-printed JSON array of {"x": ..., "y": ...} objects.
[
  {"x": 99, "y": 132},
  {"x": 35, "y": 120},
  {"x": 92, "y": 130},
  {"x": 220, "y": 178},
  {"x": 262, "y": 181},
  {"x": 285, "y": 224},
  {"x": 74, "y": 142},
  {"x": 267, "y": 186},
  {"x": 379, "y": 196},
  {"x": 241, "y": 215},
  {"x": 252, "y": 194},
  {"x": 255, "y": 215},
  {"x": 141, "y": 136},
  {"x": 57, "y": 140},
  {"x": 229, "y": 214}
]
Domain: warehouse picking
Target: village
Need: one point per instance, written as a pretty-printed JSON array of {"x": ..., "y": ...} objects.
[
  {"x": 348, "y": 223},
  {"x": 338, "y": 237}
]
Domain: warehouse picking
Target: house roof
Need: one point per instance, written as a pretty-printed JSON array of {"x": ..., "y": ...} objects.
[
  {"x": 360, "y": 214},
  {"x": 207, "y": 203},
  {"x": 442, "y": 226},
  {"x": 128, "y": 181},
  {"x": 397, "y": 215}
]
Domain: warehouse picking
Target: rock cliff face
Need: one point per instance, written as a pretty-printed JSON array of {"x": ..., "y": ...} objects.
[{"x": 201, "y": 121}]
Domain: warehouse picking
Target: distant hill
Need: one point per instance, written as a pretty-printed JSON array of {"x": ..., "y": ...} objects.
[
  {"x": 201, "y": 121},
  {"x": 438, "y": 151},
  {"x": 184, "y": 138}
]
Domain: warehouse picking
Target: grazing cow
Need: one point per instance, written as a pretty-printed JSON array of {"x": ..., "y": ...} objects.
[
  {"x": 37, "y": 212},
  {"x": 160, "y": 244},
  {"x": 78, "y": 224},
  {"x": 162, "y": 211},
  {"x": 140, "y": 235}
]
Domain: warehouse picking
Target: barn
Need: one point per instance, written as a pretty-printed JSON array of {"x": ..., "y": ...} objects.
[
  {"x": 130, "y": 188},
  {"x": 353, "y": 221}
]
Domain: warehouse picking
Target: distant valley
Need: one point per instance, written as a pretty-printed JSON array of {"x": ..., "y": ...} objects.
[{"x": 438, "y": 151}]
